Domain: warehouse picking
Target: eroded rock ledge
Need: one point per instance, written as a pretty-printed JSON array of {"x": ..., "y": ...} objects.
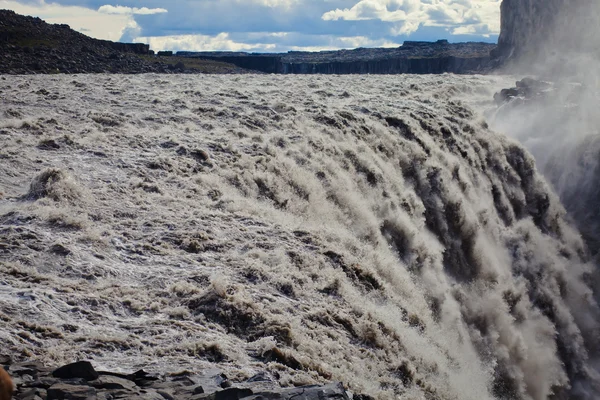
[{"x": 80, "y": 380}]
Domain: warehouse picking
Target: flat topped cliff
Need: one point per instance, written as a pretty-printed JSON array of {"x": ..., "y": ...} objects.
[
  {"x": 410, "y": 49},
  {"x": 412, "y": 57},
  {"x": 30, "y": 45}
]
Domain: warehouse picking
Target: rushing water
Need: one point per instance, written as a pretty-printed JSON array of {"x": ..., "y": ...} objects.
[{"x": 366, "y": 229}]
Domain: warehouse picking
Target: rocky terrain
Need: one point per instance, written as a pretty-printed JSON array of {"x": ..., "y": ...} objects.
[
  {"x": 410, "y": 58},
  {"x": 80, "y": 380},
  {"x": 31, "y": 46}
]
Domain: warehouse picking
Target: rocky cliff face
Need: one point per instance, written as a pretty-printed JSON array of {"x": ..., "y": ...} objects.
[
  {"x": 547, "y": 32},
  {"x": 410, "y": 58},
  {"x": 436, "y": 65},
  {"x": 525, "y": 23}
]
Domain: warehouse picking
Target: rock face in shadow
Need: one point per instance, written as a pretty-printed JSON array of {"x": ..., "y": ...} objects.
[
  {"x": 543, "y": 31},
  {"x": 410, "y": 58},
  {"x": 523, "y": 23}
]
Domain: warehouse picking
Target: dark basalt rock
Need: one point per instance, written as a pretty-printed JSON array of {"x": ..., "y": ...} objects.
[
  {"x": 410, "y": 58},
  {"x": 80, "y": 369},
  {"x": 80, "y": 380},
  {"x": 64, "y": 391},
  {"x": 31, "y": 46},
  {"x": 525, "y": 90}
]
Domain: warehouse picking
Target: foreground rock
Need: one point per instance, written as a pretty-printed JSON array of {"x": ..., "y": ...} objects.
[{"x": 80, "y": 380}]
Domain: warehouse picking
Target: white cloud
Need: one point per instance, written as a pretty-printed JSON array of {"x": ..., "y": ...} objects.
[
  {"x": 201, "y": 43},
  {"x": 459, "y": 16},
  {"x": 263, "y": 42},
  {"x": 384, "y": 10},
  {"x": 274, "y": 3},
  {"x": 121, "y": 10},
  {"x": 92, "y": 22},
  {"x": 294, "y": 18},
  {"x": 346, "y": 42}
]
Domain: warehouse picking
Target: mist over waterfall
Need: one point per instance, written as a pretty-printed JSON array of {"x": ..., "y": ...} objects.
[
  {"x": 557, "y": 42},
  {"x": 365, "y": 229}
]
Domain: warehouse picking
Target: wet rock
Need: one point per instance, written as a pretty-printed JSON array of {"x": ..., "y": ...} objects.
[
  {"x": 32, "y": 368},
  {"x": 113, "y": 383},
  {"x": 525, "y": 90},
  {"x": 261, "y": 377},
  {"x": 64, "y": 391},
  {"x": 182, "y": 151},
  {"x": 226, "y": 394},
  {"x": 165, "y": 395},
  {"x": 362, "y": 397},
  {"x": 315, "y": 392},
  {"x": 201, "y": 156},
  {"x": 169, "y": 144},
  {"x": 33, "y": 394},
  {"x": 80, "y": 369},
  {"x": 142, "y": 378},
  {"x": 43, "y": 383},
  {"x": 506, "y": 95},
  {"x": 232, "y": 394},
  {"x": 48, "y": 144},
  {"x": 74, "y": 381},
  {"x": 60, "y": 250},
  {"x": 198, "y": 390}
]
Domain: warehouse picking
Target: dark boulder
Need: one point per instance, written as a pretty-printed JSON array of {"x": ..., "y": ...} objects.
[{"x": 79, "y": 369}]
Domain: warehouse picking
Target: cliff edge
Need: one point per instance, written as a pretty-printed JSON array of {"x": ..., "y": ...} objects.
[
  {"x": 31, "y": 46},
  {"x": 547, "y": 36},
  {"x": 412, "y": 57}
]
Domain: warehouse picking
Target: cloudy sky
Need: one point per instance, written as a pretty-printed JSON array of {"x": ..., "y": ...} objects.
[{"x": 271, "y": 25}]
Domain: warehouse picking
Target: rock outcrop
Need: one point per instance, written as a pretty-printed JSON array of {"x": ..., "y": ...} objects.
[
  {"x": 80, "y": 380},
  {"x": 525, "y": 91},
  {"x": 31, "y": 46},
  {"x": 410, "y": 58},
  {"x": 136, "y": 48}
]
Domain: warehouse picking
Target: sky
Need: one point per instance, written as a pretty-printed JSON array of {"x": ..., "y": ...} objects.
[{"x": 271, "y": 25}]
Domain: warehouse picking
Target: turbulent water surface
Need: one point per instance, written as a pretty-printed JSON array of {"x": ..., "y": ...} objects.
[{"x": 365, "y": 229}]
